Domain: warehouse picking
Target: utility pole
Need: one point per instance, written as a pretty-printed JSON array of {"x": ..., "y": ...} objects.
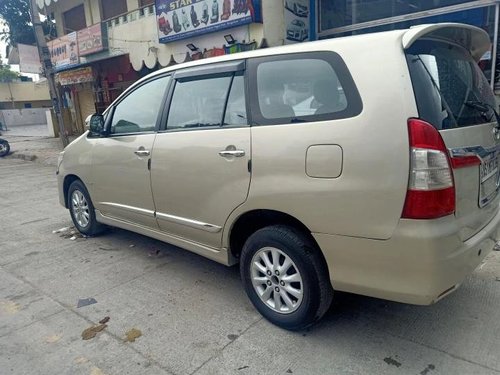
[{"x": 47, "y": 67}]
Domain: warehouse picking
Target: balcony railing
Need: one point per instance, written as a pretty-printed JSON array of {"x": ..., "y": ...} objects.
[{"x": 131, "y": 16}]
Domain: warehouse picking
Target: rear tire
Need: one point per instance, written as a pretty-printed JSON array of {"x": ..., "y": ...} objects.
[
  {"x": 285, "y": 277},
  {"x": 4, "y": 147},
  {"x": 82, "y": 210}
]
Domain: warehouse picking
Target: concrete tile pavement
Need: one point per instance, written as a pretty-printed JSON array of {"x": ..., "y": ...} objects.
[
  {"x": 193, "y": 313},
  {"x": 44, "y": 150}
]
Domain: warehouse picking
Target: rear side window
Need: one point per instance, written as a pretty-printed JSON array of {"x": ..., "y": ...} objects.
[
  {"x": 447, "y": 82},
  {"x": 302, "y": 87}
]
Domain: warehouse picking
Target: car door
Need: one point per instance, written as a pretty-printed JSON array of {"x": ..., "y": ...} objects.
[
  {"x": 200, "y": 165},
  {"x": 120, "y": 161}
]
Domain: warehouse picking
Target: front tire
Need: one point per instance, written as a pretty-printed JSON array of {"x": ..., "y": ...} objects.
[
  {"x": 285, "y": 277},
  {"x": 82, "y": 210}
]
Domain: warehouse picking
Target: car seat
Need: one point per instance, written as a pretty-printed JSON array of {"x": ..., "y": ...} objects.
[
  {"x": 326, "y": 94},
  {"x": 204, "y": 14},
  {"x": 194, "y": 17},
  {"x": 273, "y": 105}
]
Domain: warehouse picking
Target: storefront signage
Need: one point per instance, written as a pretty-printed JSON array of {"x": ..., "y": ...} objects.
[
  {"x": 64, "y": 51},
  {"x": 181, "y": 19},
  {"x": 75, "y": 76},
  {"x": 91, "y": 40},
  {"x": 297, "y": 15}
]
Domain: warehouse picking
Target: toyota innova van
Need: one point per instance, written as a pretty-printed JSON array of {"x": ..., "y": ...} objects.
[{"x": 365, "y": 164}]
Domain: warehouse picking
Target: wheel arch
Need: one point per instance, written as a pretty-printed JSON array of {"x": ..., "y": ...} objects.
[
  {"x": 68, "y": 180},
  {"x": 251, "y": 221}
]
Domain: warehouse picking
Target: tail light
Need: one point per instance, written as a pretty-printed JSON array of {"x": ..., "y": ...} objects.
[{"x": 431, "y": 190}]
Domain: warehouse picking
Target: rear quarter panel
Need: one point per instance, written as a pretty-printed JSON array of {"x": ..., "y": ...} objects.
[{"x": 367, "y": 199}]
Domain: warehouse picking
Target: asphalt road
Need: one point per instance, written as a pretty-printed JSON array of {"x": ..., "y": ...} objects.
[{"x": 193, "y": 314}]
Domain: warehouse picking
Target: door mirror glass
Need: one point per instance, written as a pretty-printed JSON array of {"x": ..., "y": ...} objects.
[{"x": 96, "y": 124}]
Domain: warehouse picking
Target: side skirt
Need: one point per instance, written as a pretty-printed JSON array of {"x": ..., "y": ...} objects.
[{"x": 218, "y": 255}]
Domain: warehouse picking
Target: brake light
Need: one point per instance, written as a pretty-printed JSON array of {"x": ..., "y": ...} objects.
[{"x": 431, "y": 190}]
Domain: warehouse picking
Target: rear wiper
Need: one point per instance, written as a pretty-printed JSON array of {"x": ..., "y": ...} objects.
[{"x": 484, "y": 108}]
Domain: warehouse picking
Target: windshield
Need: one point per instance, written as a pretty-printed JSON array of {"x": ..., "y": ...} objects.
[{"x": 445, "y": 79}]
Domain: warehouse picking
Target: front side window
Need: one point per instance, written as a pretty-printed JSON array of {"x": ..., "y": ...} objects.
[
  {"x": 295, "y": 88},
  {"x": 138, "y": 112},
  {"x": 236, "y": 113},
  {"x": 207, "y": 103}
]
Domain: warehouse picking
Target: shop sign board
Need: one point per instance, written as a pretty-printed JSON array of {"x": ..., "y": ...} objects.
[
  {"x": 92, "y": 39},
  {"x": 64, "y": 51},
  {"x": 29, "y": 60},
  {"x": 71, "y": 77},
  {"x": 297, "y": 21},
  {"x": 182, "y": 19}
]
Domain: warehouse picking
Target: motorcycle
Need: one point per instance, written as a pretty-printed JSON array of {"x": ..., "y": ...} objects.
[{"x": 4, "y": 147}]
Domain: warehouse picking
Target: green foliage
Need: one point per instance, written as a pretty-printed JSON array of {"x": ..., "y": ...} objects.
[
  {"x": 7, "y": 75},
  {"x": 16, "y": 15}
]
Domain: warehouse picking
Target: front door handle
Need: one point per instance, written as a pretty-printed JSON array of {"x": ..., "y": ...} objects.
[
  {"x": 236, "y": 153},
  {"x": 141, "y": 151}
]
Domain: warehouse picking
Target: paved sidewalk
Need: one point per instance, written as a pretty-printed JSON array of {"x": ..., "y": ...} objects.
[{"x": 44, "y": 150}]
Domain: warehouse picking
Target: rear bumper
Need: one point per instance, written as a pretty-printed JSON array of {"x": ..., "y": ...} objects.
[{"x": 421, "y": 263}]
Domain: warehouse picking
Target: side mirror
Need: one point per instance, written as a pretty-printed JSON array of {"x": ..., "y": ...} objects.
[{"x": 95, "y": 124}]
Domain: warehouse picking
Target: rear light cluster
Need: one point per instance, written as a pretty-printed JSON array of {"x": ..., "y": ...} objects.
[{"x": 431, "y": 190}]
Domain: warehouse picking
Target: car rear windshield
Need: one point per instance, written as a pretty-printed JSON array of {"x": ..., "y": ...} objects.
[{"x": 447, "y": 82}]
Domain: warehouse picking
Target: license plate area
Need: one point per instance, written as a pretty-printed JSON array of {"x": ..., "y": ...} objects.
[{"x": 488, "y": 178}]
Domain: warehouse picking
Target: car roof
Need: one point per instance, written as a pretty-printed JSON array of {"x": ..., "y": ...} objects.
[{"x": 406, "y": 37}]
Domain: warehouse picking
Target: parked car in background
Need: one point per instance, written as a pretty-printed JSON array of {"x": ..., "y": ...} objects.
[
  {"x": 297, "y": 31},
  {"x": 383, "y": 181},
  {"x": 297, "y": 8}
]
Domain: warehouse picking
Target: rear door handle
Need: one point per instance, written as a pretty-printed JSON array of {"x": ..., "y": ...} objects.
[{"x": 236, "y": 153}]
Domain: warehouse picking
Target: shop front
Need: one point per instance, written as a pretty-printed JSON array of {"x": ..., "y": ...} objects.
[
  {"x": 89, "y": 75},
  {"x": 350, "y": 17}
]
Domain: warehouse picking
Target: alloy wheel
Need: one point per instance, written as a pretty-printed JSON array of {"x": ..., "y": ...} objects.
[
  {"x": 80, "y": 208},
  {"x": 277, "y": 280}
]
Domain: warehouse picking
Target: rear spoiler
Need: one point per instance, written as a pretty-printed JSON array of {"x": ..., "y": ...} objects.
[{"x": 472, "y": 38}]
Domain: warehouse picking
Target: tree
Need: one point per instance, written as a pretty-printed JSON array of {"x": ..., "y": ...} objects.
[
  {"x": 16, "y": 15},
  {"x": 7, "y": 75}
]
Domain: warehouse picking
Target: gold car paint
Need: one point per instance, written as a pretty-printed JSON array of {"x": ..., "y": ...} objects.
[{"x": 355, "y": 217}]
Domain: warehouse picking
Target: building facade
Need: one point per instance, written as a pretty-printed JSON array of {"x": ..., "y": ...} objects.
[
  {"x": 24, "y": 95},
  {"x": 103, "y": 46}
]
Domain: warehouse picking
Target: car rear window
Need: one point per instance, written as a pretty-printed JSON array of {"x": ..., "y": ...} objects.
[{"x": 446, "y": 81}]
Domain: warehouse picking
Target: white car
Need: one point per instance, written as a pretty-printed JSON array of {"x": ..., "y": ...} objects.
[{"x": 297, "y": 31}]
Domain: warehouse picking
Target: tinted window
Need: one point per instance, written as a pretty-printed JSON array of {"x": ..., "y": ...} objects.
[
  {"x": 236, "y": 113},
  {"x": 199, "y": 103},
  {"x": 447, "y": 81},
  {"x": 139, "y": 111},
  {"x": 302, "y": 88},
  {"x": 340, "y": 13}
]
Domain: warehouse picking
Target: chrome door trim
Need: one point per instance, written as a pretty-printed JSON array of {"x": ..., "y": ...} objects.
[
  {"x": 478, "y": 151},
  {"x": 189, "y": 222},
  {"x": 136, "y": 210}
]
